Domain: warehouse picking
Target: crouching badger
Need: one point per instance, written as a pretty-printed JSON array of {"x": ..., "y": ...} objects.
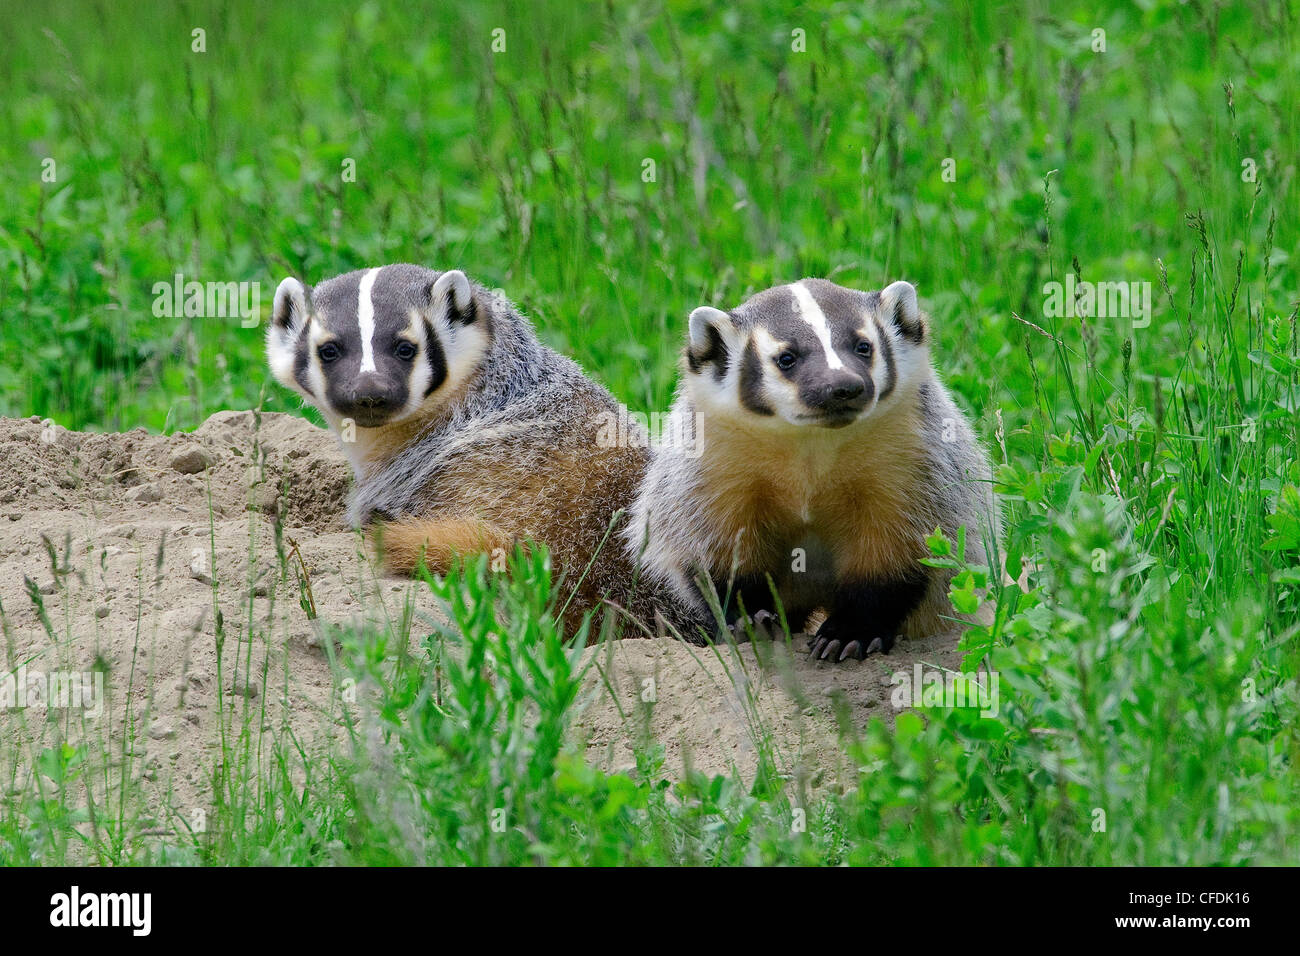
[
  {"x": 827, "y": 450},
  {"x": 466, "y": 434}
]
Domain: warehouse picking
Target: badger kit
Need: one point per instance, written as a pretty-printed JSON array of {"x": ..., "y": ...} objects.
[{"x": 826, "y": 450}]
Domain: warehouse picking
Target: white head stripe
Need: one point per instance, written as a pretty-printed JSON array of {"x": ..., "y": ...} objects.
[
  {"x": 808, "y": 309},
  {"x": 366, "y": 320}
]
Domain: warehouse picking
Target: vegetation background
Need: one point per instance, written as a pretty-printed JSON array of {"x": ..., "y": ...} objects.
[{"x": 617, "y": 164}]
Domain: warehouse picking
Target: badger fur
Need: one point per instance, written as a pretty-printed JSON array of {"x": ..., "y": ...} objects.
[
  {"x": 465, "y": 433},
  {"x": 827, "y": 451}
]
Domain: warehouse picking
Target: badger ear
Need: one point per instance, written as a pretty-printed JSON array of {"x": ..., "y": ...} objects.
[
  {"x": 898, "y": 306},
  {"x": 290, "y": 309},
  {"x": 711, "y": 336},
  {"x": 452, "y": 297},
  {"x": 290, "y": 313}
]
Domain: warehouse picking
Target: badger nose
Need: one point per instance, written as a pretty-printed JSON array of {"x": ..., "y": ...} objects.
[
  {"x": 371, "y": 393},
  {"x": 846, "y": 390},
  {"x": 843, "y": 388}
]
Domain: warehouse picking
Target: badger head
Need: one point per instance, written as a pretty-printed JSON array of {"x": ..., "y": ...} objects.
[
  {"x": 809, "y": 353},
  {"x": 377, "y": 346}
]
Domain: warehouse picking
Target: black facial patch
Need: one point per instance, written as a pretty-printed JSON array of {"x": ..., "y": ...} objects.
[
  {"x": 887, "y": 356},
  {"x": 751, "y": 381},
  {"x": 302, "y": 357},
  {"x": 436, "y": 358},
  {"x": 714, "y": 353}
]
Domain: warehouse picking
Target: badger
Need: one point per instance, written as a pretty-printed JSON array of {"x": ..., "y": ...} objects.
[
  {"x": 466, "y": 435},
  {"x": 827, "y": 450}
]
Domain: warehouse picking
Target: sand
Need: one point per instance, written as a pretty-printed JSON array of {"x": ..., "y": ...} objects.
[{"x": 140, "y": 526}]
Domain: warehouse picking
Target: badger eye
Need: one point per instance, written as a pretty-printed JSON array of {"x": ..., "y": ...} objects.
[
  {"x": 405, "y": 351},
  {"x": 864, "y": 349},
  {"x": 329, "y": 352},
  {"x": 786, "y": 360}
]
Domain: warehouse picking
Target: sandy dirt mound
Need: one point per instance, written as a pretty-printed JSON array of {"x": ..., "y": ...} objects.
[{"x": 119, "y": 553}]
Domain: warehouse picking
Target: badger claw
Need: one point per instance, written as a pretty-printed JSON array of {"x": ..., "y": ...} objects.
[
  {"x": 764, "y": 625},
  {"x": 826, "y": 648}
]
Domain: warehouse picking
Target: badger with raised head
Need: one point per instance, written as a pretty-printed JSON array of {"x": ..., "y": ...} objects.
[
  {"x": 465, "y": 433},
  {"x": 827, "y": 451}
]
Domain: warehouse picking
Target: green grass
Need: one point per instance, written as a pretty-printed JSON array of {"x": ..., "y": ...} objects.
[{"x": 1150, "y": 473}]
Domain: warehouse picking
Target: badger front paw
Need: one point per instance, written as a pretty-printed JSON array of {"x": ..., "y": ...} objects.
[{"x": 837, "y": 640}]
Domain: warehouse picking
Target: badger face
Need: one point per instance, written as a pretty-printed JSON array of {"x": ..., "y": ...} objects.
[
  {"x": 809, "y": 353},
  {"x": 376, "y": 346}
]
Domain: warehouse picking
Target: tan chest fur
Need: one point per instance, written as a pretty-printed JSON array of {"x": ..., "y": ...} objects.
[{"x": 855, "y": 491}]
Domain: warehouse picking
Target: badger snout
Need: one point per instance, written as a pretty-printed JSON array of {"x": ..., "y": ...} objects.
[
  {"x": 844, "y": 389},
  {"x": 371, "y": 401},
  {"x": 839, "y": 397}
]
